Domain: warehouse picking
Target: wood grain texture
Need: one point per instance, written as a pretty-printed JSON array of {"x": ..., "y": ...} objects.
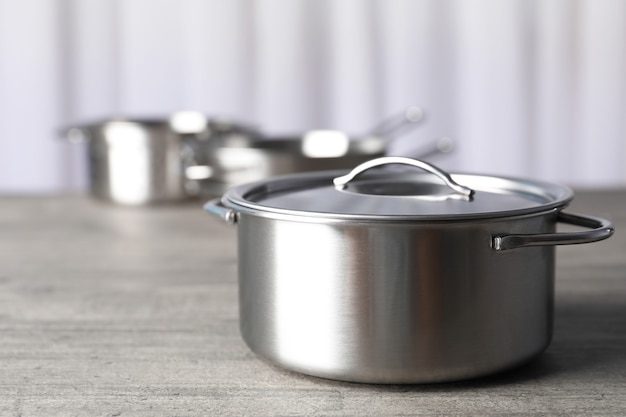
[{"x": 114, "y": 311}]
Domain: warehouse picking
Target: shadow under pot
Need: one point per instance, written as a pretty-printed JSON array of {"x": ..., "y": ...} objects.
[{"x": 398, "y": 275}]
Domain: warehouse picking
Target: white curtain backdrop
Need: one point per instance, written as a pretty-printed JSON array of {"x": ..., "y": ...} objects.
[{"x": 533, "y": 88}]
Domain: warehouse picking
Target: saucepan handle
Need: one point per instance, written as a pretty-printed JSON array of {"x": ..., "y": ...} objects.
[
  {"x": 216, "y": 208},
  {"x": 600, "y": 229}
]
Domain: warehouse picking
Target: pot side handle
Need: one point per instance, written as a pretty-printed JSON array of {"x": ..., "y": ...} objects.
[
  {"x": 216, "y": 208},
  {"x": 600, "y": 229}
]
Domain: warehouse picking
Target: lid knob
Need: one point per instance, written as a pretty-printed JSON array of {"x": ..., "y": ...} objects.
[{"x": 460, "y": 190}]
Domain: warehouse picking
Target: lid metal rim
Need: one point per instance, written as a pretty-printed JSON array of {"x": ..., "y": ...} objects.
[
  {"x": 284, "y": 214},
  {"x": 236, "y": 199}
]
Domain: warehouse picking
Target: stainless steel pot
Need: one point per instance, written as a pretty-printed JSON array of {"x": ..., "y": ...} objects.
[
  {"x": 399, "y": 276},
  {"x": 236, "y": 159},
  {"x": 146, "y": 161},
  {"x": 241, "y": 162}
]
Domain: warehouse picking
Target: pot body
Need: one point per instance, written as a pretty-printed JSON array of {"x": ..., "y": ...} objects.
[
  {"x": 137, "y": 163},
  {"x": 404, "y": 302}
]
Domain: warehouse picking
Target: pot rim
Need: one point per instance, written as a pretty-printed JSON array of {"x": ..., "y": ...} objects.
[
  {"x": 242, "y": 199},
  {"x": 237, "y": 210}
]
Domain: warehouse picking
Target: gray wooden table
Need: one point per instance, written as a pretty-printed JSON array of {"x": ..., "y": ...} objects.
[{"x": 114, "y": 311}]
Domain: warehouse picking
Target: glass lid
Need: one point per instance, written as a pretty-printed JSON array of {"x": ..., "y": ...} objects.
[{"x": 381, "y": 190}]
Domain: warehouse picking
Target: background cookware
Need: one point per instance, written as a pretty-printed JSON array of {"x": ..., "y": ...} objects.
[
  {"x": 145, "y": 161},
  {"x": 399, "y": 275},
  {"x": 235, "y": 158}
]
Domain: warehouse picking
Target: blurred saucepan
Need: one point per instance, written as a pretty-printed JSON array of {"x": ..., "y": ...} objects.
[
  {"x": 235, "y": 159},
  {"x": 147, "y": 161}
]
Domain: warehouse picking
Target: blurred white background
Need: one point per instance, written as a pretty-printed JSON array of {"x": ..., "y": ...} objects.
[{"x": 534, "y": 88}]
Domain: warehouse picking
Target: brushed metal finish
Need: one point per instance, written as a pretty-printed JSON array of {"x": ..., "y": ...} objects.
[
  {"x": 334, "y": 286},
  {"x": 384, "y": 302}
]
